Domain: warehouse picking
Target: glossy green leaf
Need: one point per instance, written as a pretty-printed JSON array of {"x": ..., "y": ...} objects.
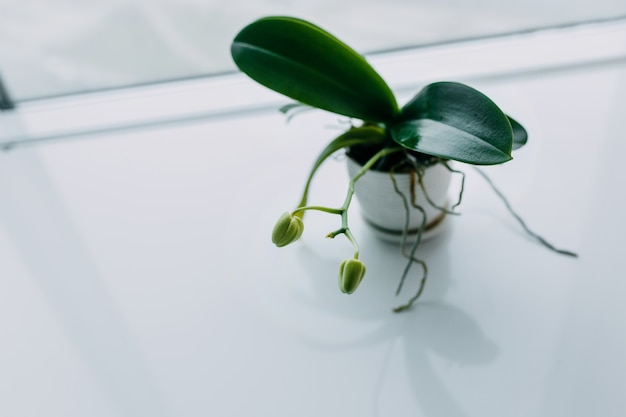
[
  {"x": 306, "y": 63},
  {"x": 520, "y": 136},
  {"x": 454, "y": 121}
]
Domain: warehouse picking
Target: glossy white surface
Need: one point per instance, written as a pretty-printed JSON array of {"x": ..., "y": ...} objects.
[{"x": 137, "y": 276}]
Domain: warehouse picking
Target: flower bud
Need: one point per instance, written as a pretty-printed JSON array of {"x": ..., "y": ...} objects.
[
  {"x": 351, "y": 273},
  {"x": 288, "y": 229}
]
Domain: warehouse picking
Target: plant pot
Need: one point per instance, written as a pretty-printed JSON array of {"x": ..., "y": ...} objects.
[{"x": 383, "y": 209}]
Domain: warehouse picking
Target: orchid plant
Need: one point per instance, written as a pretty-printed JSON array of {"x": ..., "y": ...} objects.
[{"x": 445, "y": 121}]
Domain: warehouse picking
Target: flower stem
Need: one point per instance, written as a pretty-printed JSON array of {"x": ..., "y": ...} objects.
[
  {"x": 317, "y": 208},
  {"x": 366, "y": 167},
  {"x": 354, "y": 136},
  {"x": 345, "y": 229}
]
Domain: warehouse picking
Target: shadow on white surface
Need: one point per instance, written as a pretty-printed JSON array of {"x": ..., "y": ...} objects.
[
  {"x": 431, "y": 328},
  {"x": 58, "y": 263}
]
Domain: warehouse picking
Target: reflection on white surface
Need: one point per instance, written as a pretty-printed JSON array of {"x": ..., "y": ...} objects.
[{"x": 137, "y": 276}]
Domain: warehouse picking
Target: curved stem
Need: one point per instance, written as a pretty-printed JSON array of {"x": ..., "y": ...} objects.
[
  {"x": 354, "y": 136},
  {"x": 345, "y": 229},
  {"x": 318, "y": 208},
  {"x": 352, "y": 240},
  {"x": 343, "y": 210},
  {"x": 366, "y": 167}
]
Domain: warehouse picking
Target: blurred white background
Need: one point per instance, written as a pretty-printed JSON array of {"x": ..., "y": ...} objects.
[{"x": 52, "y": 47}]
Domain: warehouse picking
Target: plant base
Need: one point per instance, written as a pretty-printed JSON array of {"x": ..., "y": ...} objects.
[
  {"x": 385, "y": 199},
  {"x": 432, "y": 229}
]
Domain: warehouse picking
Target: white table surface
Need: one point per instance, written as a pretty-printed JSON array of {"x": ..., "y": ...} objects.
[{"x": 137, "y": 275}]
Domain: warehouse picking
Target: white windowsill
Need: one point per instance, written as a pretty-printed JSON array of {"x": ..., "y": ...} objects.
[{"x": 219, "y": 96}]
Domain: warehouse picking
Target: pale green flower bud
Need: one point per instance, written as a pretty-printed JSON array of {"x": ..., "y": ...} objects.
[
  {"x": 288, "y": 229},
  {"x": 351, "y": 273}
]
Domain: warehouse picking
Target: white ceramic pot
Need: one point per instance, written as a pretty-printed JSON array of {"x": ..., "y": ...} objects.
[{"x": 383, "y": 209}]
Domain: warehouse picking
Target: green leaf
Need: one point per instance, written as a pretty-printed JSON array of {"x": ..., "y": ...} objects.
[
  {"x": 454, "y": 121},
  {"x": 307, "y": 64},
  {"x": 520, "y": 136}
]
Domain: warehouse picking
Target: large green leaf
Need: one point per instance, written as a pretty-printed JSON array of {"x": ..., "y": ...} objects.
[
  {"x": 454, "y": 121},
  {"x": 302, "y": 61}
]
